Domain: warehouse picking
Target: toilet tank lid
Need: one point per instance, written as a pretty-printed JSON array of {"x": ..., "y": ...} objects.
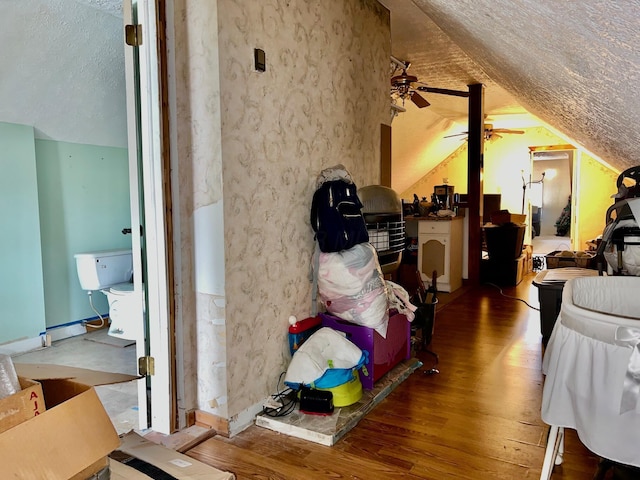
[
  {"x": 104, "y": 253},
  {"x": 122, "y": 287}
]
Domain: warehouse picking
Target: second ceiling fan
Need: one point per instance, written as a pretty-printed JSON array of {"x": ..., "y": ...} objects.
[{"x": 490, "y": 132}]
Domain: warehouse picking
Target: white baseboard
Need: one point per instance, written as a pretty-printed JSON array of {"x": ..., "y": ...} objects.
[
  {"x": 244, "y": 419},
  {"x": 44, "y": 340},
  {"x": 60, "y": 333},
  {"x": 23, "y": 346}
]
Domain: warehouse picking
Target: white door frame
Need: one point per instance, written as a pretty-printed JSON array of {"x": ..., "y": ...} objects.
[{"x": 145, "y": 149}]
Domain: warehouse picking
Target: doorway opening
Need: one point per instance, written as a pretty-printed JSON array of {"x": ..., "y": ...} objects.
[
  {"x": 68, "y": 311},
  {"x": 549, "y": 192}
]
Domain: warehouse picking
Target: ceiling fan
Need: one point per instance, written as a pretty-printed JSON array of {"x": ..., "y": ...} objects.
[
  {"x": 490, "y": 132},
  {"x": 402, "y": 85},
  {"x": 405, "y": 86}
]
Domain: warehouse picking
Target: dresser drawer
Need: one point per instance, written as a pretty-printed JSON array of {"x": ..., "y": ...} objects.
[{"x": 434, "y": 226}]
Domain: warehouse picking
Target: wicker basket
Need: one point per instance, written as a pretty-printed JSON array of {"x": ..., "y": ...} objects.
[{"x": 556, "y": 260}]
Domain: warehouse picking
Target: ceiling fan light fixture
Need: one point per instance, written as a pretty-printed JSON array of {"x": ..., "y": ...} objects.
[{"x": 395, "y": 110}]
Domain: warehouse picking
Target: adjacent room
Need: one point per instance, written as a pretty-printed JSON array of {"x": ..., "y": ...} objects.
[{"x": 180, "y": 143}]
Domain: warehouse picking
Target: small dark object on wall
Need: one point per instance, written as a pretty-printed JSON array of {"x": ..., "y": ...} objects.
[{"x": 260, "y": 60}]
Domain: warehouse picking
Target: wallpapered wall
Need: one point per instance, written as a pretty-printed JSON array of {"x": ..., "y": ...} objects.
[{"x": 251, "y": 154}]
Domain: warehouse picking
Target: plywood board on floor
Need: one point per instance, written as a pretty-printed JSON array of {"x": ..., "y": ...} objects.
[
  {"x": 183, "y": 440},
  {"x": 327, "y": 430}
]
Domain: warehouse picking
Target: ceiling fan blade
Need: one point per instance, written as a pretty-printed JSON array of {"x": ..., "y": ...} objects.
[
  {"x": 506, "y": 130},
  {"x": 419, "y": 100},
  {"x": 443, "y": 91},
  {"x": 456, "y": 135}
]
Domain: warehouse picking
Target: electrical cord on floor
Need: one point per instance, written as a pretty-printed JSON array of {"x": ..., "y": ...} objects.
[
  {"x": 97, "y": 313},
  {"x": 282, "y": 403},
  {"x": 514, "y": 298}
]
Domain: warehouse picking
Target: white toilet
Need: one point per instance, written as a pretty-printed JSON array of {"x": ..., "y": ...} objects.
[{"x": 111, "y": 272}]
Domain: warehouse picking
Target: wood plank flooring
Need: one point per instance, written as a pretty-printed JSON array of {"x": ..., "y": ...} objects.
[{"x": 478, "y": 419}]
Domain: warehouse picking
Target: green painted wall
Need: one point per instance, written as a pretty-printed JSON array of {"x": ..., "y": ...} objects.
[
  {"x": 22, "y": 311},
  {"x": 83, "y": 191},
  {"x": 56, "y": 199}
]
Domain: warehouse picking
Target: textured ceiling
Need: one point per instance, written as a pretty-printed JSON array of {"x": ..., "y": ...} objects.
[
  {"x": 437, "y": 61},
  {"x": 572, "y": 65},
  {"x": 62, "y": 69}
]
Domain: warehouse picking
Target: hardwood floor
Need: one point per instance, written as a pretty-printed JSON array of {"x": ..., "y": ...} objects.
[{"x": 478, "y": 419}]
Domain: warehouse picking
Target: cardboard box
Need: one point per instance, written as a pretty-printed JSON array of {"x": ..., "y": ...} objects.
[
  {"x": 23, "y": 405},
  {"x": 520, "y": 269},
  {"x": 502, "y": 217},
  {"x": 178, "y": 465},
  {"x": 566, "y": 258},
  {"x": 503, "y": 272},
  {"x": 72, "y": 438}
]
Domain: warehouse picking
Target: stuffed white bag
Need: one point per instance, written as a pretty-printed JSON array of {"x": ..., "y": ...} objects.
[{"x": 351, "y": 287}]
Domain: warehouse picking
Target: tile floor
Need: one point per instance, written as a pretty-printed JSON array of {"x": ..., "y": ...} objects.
[
  {"x": 120, "y": 400},
  {"x": 548, "y": 243}
]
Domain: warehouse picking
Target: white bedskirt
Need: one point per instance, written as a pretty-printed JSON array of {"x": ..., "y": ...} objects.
[{"x": 586, "y": 362}]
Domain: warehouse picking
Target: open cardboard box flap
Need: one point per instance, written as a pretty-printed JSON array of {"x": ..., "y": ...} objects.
[
  {"x": 85, "y": 376},
  {"x": 72, "y": 437}
]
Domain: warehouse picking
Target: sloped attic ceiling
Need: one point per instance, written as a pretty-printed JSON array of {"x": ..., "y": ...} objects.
[{"x": 573, "y": 65}]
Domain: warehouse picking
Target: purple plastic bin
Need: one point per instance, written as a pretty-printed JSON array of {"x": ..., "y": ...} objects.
[{"x": 384, "y": 353}]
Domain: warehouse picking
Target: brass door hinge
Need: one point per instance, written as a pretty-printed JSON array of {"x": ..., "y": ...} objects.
[
  {"x": 133, "y": 35},
  {"x": 146, "y": 366}
]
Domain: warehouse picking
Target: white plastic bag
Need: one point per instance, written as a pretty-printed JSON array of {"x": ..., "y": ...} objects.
[
  {"x": 9, "y": 383},
  {"x": 399, "y": 299},
  {"x": 351, "y": 287},
  {"x": 325, "y": 349}
]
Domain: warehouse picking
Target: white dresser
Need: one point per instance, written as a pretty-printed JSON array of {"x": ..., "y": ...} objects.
[{"x": 440, "y": 249}]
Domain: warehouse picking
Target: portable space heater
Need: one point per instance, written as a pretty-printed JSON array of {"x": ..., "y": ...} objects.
[{"x": 382, "y": 212}]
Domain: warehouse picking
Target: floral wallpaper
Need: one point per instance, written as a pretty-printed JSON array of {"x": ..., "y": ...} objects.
[{"x": 250, "y": 145}]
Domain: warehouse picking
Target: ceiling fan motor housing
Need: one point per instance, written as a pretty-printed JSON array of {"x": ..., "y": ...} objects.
[{"x": 402, "y": 85}]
